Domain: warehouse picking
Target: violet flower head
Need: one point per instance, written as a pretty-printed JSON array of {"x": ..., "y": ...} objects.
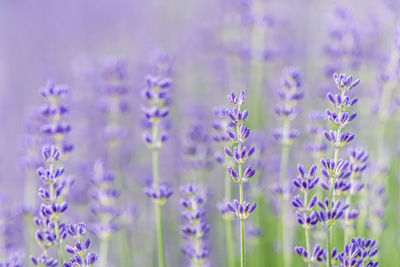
[
  {"x": 159, "y": 194},
  {"x": 220, "y": 125},
  {"x": 241, "y": 210},
  {"x": 360, "y": 252},
  {"x": 337, "y": 137},
  {"x": 359, "y": 160},
  {"x": 330, "y": 211},
  {"x": 79, "y": 252},
  {"x": 50, "y": 231},
  {"x": 104, "y": 204},
  {"x": 197, "y": 148},
  {"x": 54, "y": 112},
  {"x": 194, "y": 224},
  {"x": 289, "y": 95},
  {"x": 305, "y": 182},
  {"x": 113, "y": 100},
  {"x": 43, "y": 260},
  {"x": 157, "y": 95},
  {"x": 316, "y": 145},
  {"x": 318, "y": 254},
  {"x": 240, "y": 153},
  {"x": 344, "y": 43}
]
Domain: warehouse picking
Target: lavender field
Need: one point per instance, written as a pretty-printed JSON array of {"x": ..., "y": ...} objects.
[{"x": 214, "y": 133}]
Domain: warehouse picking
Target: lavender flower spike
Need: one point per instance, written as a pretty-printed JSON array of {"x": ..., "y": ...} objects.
[
  {"x": 240, "y": 154},
  {"x": 195, "y": 227},
  {"x": 336, "y": 170},
  {"x": 80, "y": 256},
  {"x": 157, "y": 96},
  {"x": 306, "y": 215}
]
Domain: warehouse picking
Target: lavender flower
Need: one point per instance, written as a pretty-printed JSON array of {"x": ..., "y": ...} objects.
[
  {"x": 197, "y": 149},
  {"x": 80, "y": 256},
  {"x": 157, "y": 96},
  {"x": 104, "y": 206},
  {"x": 336, "y": 170},
  {"x": 306, "y": 215},
  {"x": 221, "y": 125},
  {"x": 113, "y": 101},
  {"x": 358, "y": 160},
  {"x": 240, "y": 154},
  {"x": 318, "y": 255},
  {"x": 51, "y": 231},
  {"x": 54, "y": 112},
  {"x": 195, "y": 226},
  {"x": 316, "y": 145},
  {"x": 43, "y": 260},
  {"x": 289, "y": 96},
  {"x": 358, "y": 253}
]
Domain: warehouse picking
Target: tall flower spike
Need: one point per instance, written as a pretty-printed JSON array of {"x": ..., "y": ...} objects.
[
  {"x": 104, "y": 204},
  {"x": 157, "y": 95},
  {"x": 317, "y": 146},
  {"x": 113, "y": 99},
  {"x": 51, "y": 231},
  {"x": 195, "y": 227},
  {"x": 289, "y": 95},
  {"x": 306, "y": 214},
  {"x": 287, "y": 110},
  {"x": 54, "y": 112},
  {"x": 238, "y": 134},
  {"x": 221, "y": 125}
]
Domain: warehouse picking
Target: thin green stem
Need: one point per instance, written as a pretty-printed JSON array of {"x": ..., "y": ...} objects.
[
  {"x": 307, "y": 231},
  {"x": 348, "y": 227},
  {"x": 242, "y": 243},
  {"x": 103, "y": 252},
  {"x": 59, "y": 247},
  {"x": 286, "y": 255},
  {"x": 160, "y": 241},
  {"x": 229, "y": 243},
  {"x": 329, "y": 244},
  {"x": 308, "y": 246},
  {"x": 228, "y": 222},
  {"x": 241, "y": 225},
  {"x": 157, "y": 207}
]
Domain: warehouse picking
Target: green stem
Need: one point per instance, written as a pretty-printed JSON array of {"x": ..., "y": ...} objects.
[
  {"x": 160, "y": 241},
  {"x": 59, "y": 247},
  {"x": 228, "y": 222},
  {"x": 242, "y": 243},
  {"x": 329, "y": 244},
  {"x": 347, "y": 225},
  {"x": 308, "y": 246},
  {"x": 307, "y": 231},
  {"x": 158, "y": 212},
  {"x": 229, "y": 243},
  {"x": 286, "y": 255},
  {"x": 103, "y": 252}
]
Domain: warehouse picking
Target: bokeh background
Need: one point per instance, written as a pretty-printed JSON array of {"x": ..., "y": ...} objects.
[{"x": 211, "y": 48}]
